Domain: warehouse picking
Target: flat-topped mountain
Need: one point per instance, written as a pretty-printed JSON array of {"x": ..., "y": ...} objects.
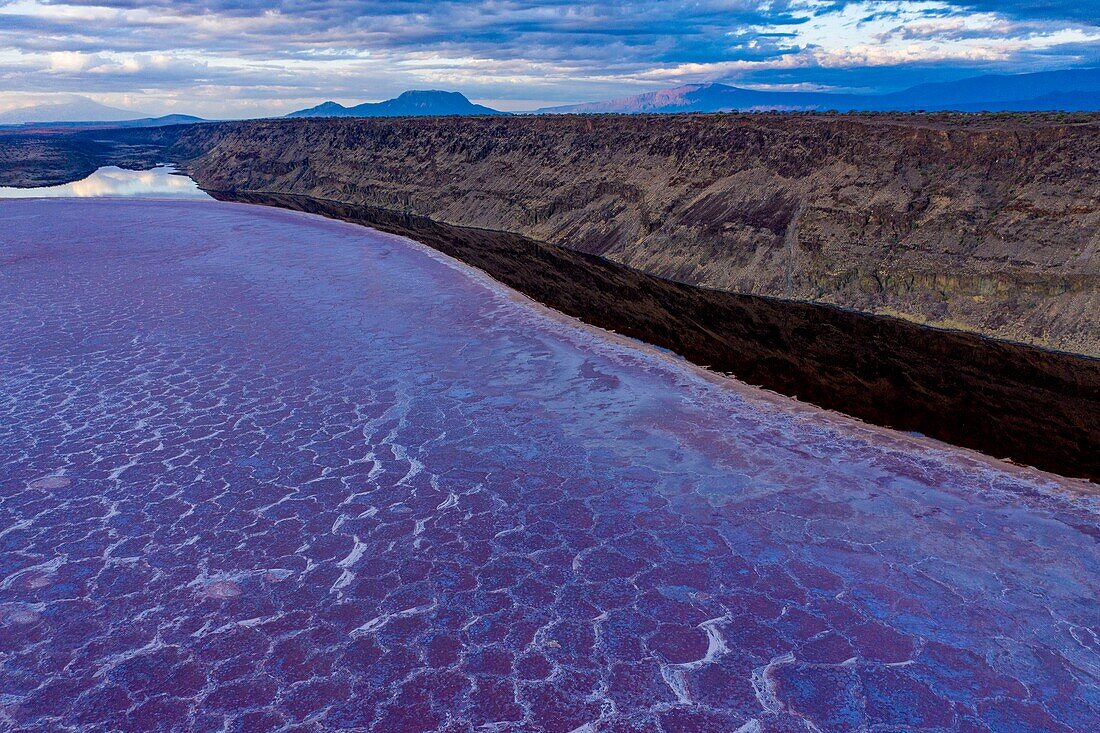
[
  {"x": 415, "y": 103},
  {"x": 1074, "y": 90}
]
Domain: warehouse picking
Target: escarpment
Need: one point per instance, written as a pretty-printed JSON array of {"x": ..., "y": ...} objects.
[
  {"x": 982, "y": 223},
  {"x": 804, "y": 253}
]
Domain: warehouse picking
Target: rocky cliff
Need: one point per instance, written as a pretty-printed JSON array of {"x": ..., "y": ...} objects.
[
  {"x": 987, "y": 224},
  {"x": 983, "y": 223}
]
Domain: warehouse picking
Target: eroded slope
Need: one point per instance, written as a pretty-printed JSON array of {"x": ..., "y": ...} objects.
[{"x": 982, "y": 223}]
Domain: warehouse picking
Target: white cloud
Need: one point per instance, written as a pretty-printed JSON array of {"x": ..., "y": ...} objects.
[{"x": 70, "y": 61}]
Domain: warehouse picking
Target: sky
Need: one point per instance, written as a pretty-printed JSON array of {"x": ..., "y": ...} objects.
[{"x": 244, "y": 58}]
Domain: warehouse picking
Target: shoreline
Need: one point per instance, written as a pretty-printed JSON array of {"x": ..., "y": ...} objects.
[{"x": 1009, "y": 401}]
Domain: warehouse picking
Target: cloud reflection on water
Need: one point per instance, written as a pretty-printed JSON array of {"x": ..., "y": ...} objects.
[{"x": 111, "y": 181}]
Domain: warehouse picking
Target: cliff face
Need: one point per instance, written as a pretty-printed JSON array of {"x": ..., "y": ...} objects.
[
  {"x": 989, "y": 224},
  {"x": 32, "y": 159}
]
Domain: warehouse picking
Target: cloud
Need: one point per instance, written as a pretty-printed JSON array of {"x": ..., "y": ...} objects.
[
  {"x": 246, "y": 56},
  {"x": 70, "y": 61},
  {"x": 1077, "y": 11},
  {"x": 1084, "y": 11}
]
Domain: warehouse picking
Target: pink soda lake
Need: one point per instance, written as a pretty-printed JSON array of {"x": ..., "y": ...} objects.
[{"x": 264, "y": 471}]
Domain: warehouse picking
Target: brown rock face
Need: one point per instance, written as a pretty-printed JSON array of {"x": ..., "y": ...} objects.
[
  {"x": 983, "y": 223},
  {"x": 29, "y": 159}
]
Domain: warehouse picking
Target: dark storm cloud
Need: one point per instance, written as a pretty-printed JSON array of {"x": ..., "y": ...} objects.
[
  {"x": 1084, "y": 11},
  {"x": 396, "y": 24},
  {"x": 643, "y": 31},
  {"x": 1078, "y": 11},
  {"x": 486, "y": 28}
]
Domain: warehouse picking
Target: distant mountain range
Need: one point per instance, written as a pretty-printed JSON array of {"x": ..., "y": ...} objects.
[
  {"x": 414, "y": 103},
  {"x": 83, "y": 112},
  {"x": 1074, "y": 90},
  {"x": 77, "y": 108},
  {"x": 113, "y": 124},
  {"x": 162, "y": 121}
]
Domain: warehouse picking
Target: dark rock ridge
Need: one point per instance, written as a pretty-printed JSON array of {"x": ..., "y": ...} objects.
[
  {"x": 50, "y": 157},
  {"x": 1072, "y": 90},
  {"x": 414, "y": 103},
  {"x": 989, "y": 224},
  {"x": 49, "y": 154},
  {"x": 164, "y": 121}
]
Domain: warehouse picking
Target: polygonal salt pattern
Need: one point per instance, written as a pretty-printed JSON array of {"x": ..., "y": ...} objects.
[{"x": 265, "y": 472}]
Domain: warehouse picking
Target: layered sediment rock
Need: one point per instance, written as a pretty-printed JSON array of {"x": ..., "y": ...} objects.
[{"x": 982, "y": 223}]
